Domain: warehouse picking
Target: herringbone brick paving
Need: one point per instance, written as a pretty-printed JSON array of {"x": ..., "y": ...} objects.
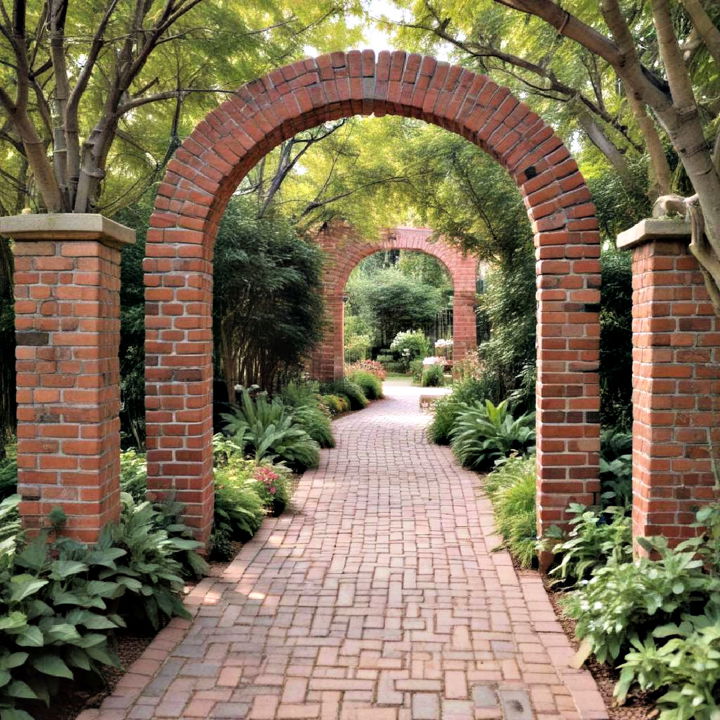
[{"x": 379, "y": 597}]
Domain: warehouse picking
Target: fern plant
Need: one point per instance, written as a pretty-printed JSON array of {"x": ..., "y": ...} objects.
[{"x": 484, "y": 433}]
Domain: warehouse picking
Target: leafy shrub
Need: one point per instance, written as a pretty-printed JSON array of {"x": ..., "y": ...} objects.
[
  {"x": 595, "y": 538},
  {"x": 357, "y": 347},
  {"x": 369, "y": 383},
  {"x": 415, "y": 369},
  {"x": 372, "y": 366},
  {"x": 269, "y": 429},
  {"x": 10, "y": 526},
  {"x": 411, "y": 344},
  {"x": 60, "y": 601},
  {"x": 511, "y": 487},
  {"x": 352, "y": 391},
  {"x": 8, "y": 472},
  {"x": 385, "y": 358},
  {"x": 469, "y": 390},
  {"x": 432, "y": 376},
  {"x": 309, "y": 412},
  {"x": 686, "y": 664},
  {"x": 151, "y": 571},
  {"x": 336, "y": 404},
  {"x": 133, "y": 474},
  {"x": 626, "y": 600},
  {"x": 483, "y": 433},
  {"x": 616, "y": 467},
  {"x": 395, "y": 367},
  {"x": 239, "y": 509}
]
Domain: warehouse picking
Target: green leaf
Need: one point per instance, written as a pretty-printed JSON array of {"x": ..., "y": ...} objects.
[
  {"x": 14, "y": 714},
  {"x": 23, "y": 586},
  {"x": 30, "y": 637},
  {"x": 14, "y": 621},
  {"x": 52, "y": 665},
  {"x": 22, "y": 690},
  {"x": 13, "y": 660},
  {"x": 61, "y": 569}
]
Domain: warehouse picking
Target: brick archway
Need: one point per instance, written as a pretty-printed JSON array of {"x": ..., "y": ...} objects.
[
  {"x": 344, "y": 249},
  {"x": 232, "y": 138}
]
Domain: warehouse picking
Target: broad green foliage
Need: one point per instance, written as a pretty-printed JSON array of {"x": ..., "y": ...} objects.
[
  {"x": 269, "y": 429},
  {"x": 624, "y": 600},
  {"x": 309, "y": 412},
  {"x": 133, "y": 474},
  {"x": 511, "y": 487},
  {"x": 684, "y": 659},
  {"x": 369, "y": 383},
  {"x": 484, "y": 433},
  {"x": 9, "y": 518},
  {"x": 595, "y": 538},
  {"x": 61, "y": 601}
]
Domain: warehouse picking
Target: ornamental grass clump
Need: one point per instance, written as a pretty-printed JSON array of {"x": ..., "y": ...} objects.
[
  {"x": 368, "y": 382},
  {"x": 511, "y": 488}
]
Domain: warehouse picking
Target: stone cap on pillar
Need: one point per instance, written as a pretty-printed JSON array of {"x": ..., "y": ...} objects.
[
  {"x": 66, "y": 226},
  {"x": 654, "y": 229}
]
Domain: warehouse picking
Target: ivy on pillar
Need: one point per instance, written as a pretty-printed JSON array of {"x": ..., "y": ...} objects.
[
  {"x": 676, "y": 381},
  {"x": 67, "y": 325}
]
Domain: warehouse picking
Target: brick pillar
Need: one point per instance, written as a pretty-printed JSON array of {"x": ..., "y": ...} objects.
[
  {"x": 67, "y": 324},
  {"x": 464, "y": 325},
  {"x": 327, "y": 361},
  {"x": 568, "y": 359},
  {"x": 676, "y": 381}
]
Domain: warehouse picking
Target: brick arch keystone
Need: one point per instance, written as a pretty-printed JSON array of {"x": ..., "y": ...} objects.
[
  {"x": 232, "y": 138},
  {"x": 344, "y": 249}
]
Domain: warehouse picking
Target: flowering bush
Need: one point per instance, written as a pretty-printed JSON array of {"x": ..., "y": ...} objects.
[
  {"x": 410, "y": 344},
  {"x": 372, "y": 366},
  {"x": 273, "y": 487}
]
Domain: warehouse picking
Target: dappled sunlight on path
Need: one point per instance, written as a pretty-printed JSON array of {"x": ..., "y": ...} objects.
[{"x": 378, "y": 597}]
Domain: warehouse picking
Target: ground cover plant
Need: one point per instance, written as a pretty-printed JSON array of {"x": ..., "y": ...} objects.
[{"x": 348, "y": 389}]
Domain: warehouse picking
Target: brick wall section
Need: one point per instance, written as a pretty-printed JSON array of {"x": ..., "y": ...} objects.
[
  {"x": 676, "y": 389},
  {"x": 67, "y": 320},
  {"x": 229, "y": 142},
  {"x": 344, "y": 249}
]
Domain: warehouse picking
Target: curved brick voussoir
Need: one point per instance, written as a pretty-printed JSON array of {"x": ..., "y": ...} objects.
[{"x": 223, "y": 147}]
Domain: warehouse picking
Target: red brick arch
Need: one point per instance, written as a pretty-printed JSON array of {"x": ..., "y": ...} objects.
[
  {"x": 344, "y": 249},
  {"x": 211, "y": 162}
]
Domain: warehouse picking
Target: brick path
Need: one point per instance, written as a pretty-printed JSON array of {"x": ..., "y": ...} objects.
[{"x": 378, "y": 599}]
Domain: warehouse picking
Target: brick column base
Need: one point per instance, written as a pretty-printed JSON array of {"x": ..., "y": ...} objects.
[
  {"x": 676, "y": 381},
  {"x": 67, "y": 324}
]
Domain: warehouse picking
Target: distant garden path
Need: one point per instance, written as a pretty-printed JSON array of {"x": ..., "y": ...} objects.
[{"x": 377, "y": 598}]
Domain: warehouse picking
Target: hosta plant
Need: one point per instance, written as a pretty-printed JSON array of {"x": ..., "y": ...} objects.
[
  {"x": 484, "y": 433},
  {"x": 682, "y": 659},
  {"x": 595, "y": 538},
  {"x": 623, "y": 600}
]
